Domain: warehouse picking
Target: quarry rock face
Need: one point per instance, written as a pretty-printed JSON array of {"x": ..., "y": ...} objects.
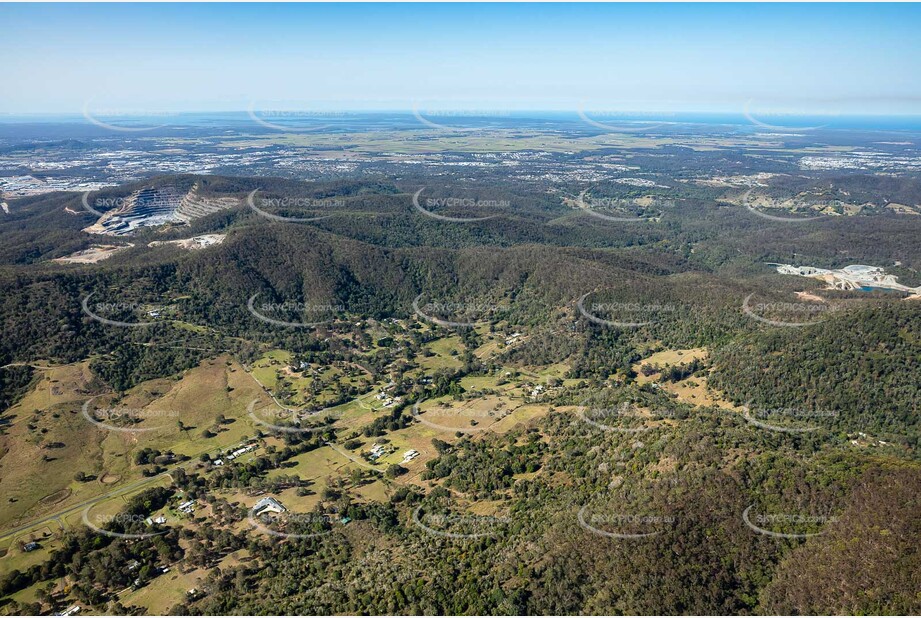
[{"x": 154, "y": 206}]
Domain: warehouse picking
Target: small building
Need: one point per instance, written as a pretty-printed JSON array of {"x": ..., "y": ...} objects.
[
  {"x": 268, "y": 505},
  {"x": 377, "y": 451},
  {"x": 241, "y": 451},
  {"x": 31, "y": 546}
]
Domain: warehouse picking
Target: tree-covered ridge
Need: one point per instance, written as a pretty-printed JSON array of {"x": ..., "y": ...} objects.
[
  {"x": 551, "y": 492},
  {"x": 692, "y": 484},
  {"x": 861, "y": 367}
]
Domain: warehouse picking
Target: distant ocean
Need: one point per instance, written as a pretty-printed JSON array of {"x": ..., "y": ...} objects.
[{"x": 773, "y": 123}]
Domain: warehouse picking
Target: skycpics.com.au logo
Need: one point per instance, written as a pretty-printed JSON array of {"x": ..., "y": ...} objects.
[
  {"x": 455, "y": 204},
  {"x": 281, "y": 314},
  {"x": 452, "y": 525},
  {"x": 269, "y": 517},
  {"x": 788, "y": 420},
  {"x": 751, "y": 205},
  {"x": 457, "y": 314},
  {"x": 127, "y": 120},
  {"x": 123, "y": 419},
  {"x": 441, "y": 418},
  {"x": 771, "y": 524},
  {"x": 602, "y": 520},
  {"x": 295, "y": 120},
  {"x": 289, "y": 204},
  {"x": 787, "y": 314},
  {"x": 616, "y": 121},
  {"x": 618, "y": 210},
  {"x": 125, "y": 525},
  {"x": 286, "y": 420},
  {"x": 621, "y": 417},
  {"x": 98, "y": 311},
  {"x": 788, "y": 117},
  {"x": 457, "y": 120},
  {"x": 100, "y": 205},
  {"x": 623, "y": 314}
]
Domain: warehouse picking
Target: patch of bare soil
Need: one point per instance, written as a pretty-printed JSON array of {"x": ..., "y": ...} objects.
[
  {"x": 56, "y": 497},
  {"x": 810, "y": 296}
]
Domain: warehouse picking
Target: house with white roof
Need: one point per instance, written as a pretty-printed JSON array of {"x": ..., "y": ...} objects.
[{"x": 268, "y": 505}]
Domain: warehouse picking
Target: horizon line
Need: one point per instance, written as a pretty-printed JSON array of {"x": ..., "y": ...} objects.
[{"x": 456, "y": 112}]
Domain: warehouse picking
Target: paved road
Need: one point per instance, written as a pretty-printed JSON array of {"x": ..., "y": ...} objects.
[
  {"x": 59, "y": 515},
  {"x": 80, "y": 506},
  {"x": 112, "y": 494},
  {"x": 141, "y": 483}
]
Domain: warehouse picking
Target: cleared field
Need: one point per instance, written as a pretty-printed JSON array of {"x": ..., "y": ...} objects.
[
  {"x": 15, "y": 558},
  {"x": 479, "y": 383},
  {"x": 442, "y": 358},
  {"x": 695, "y": 391},
  {"x": 168, "y": 589},
  {"x": 311, "y": 385},
  {"x": 175, "y": 413},
  {"x": 28, "y": 595},
  {"x": 49, "y": 438},
  {"x": 522, "y": 414},
  {"x": 495, "y": 343},
  {"x": 296, "y": 503},
  {"x": 472, "y": 415},
  {"x": 373, "y": 492},
  {"x": 557, "y": 370},
  {"x": 264, "y": 368},
  {"x": 489, "y": 349},
  {"x": 667, "y": 358},
  {"x": 49, "y": 535},
  {"x": 317, "y": 465},
  {"x": 418, "y": 437}
]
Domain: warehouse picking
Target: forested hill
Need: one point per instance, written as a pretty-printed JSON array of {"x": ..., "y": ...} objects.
[
  {"x": 380, "y": 212},
  {"x": 862, "y": 367},
  {"x": 528, "y": 315}
]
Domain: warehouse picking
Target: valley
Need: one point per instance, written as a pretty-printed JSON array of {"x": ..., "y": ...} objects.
[
  {"x": 216, "y": 383},
  {"x": 460, "y": 309}
]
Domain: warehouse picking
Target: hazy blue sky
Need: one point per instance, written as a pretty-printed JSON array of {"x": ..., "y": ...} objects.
[{"x": 806, "y": 58}]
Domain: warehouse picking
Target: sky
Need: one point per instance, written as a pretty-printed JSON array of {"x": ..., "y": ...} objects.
[{"x": 152, "y": 58}]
